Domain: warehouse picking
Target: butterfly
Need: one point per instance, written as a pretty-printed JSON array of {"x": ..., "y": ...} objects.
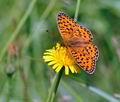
[{"x": 79, "y": 42}]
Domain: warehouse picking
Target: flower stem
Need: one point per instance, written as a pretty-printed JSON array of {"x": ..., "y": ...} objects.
[
  {"x": 77, "y": 10},
  {"x": 54, "y": 86}
]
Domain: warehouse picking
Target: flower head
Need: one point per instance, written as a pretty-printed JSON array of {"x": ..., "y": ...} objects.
[{"x": 59, "y": 58}]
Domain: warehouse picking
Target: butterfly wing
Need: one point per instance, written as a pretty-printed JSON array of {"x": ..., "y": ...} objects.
[
  {"x": 81, "y": 57},
  {"x": 92, "y": 51},
  {"x": 79, "y": 42},
  {"x": 69, "y": 29}
]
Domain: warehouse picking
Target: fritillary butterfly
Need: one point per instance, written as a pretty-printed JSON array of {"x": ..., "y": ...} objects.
[{"x": 79, "y": 42}]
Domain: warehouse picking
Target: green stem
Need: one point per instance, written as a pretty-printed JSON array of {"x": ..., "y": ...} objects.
[
  {"x": 77, "y": 10},
  {"x": 10, "y": 89},
  {"x": 18, "y": 28},
  {"x": 54, "y": 86}
]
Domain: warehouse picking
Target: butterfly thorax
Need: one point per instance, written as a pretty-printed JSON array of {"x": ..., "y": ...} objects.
[{"x": 75, "y": 42}]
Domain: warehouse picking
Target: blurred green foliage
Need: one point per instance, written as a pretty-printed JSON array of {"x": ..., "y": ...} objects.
[{"x": 26, "y": 78}]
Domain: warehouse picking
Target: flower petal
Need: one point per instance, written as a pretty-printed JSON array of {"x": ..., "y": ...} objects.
[
  {"x": 55, "y": 65},
  {"x": 58, "y": 68},
  {"x": 66, "y": 70},
  {"x": 52, "y": 62},
  {"x": 48, "y": 58},
  {"x": 72, "y": 69},
  {"x": 48, "y": 53}
]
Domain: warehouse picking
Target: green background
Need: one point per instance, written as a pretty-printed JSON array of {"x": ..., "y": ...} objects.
[{"x": 31, "y": 26}]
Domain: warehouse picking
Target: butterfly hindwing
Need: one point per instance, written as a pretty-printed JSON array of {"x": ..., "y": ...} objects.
[
  {"x": 81, "y": 58},
  {"x": 92, "y": 50}
]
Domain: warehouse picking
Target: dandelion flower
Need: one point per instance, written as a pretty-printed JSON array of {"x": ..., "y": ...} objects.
[{"x": 58, "y": 57}]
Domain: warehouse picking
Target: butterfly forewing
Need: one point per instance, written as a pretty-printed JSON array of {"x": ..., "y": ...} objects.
[{"x": 70, "y": 29}]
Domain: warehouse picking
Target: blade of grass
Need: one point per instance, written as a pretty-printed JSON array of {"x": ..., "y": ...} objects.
[
  {"x": 48, "y": 9},
  {"x": 43, "y": 17},
  {"x": 18, "y": 28},
  {"x": 99, "y": 92},
  {"x": 103, "y": 94},
  {"x": 77, "y": 10}
]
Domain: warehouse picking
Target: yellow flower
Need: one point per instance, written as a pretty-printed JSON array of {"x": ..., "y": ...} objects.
[{"x": 59, "y": 58}]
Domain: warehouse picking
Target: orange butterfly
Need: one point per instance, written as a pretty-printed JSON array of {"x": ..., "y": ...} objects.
[{"x": 79, "y": 43}]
